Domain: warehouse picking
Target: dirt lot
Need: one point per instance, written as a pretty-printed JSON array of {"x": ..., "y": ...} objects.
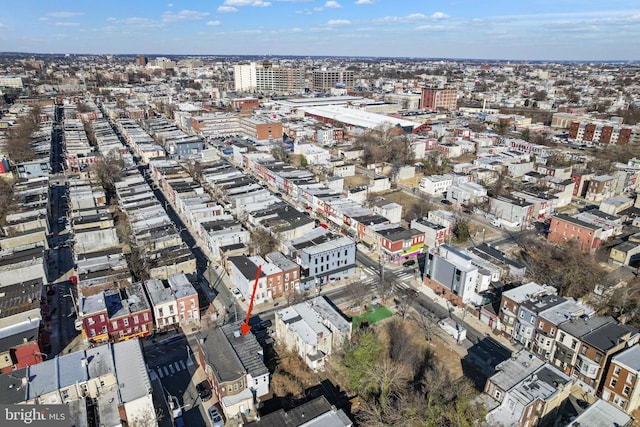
[
  {"x": 449, "y": 358},
  {"x": 356, "y": 181}
]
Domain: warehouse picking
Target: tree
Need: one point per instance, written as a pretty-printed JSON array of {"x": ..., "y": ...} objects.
[
  {"x": 7, "y": 203},
  {"x": 359, "y": 292},
  {"x": 526, "y": 135},
  {"x": 108, "y": 170},
  {"x": 461, "y": 231},
  {"x": 573, "y": 272},
  {"x": 502, "y": 127},
  {"x": 262, "y": 242},
  {"x": 427, "y": 323},
  {"x": 280, "y": 153}
]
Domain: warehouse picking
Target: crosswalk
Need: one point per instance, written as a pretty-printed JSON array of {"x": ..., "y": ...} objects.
[
  {"x": 406, "y": 277},
  {"x": 169, "y": 368}
]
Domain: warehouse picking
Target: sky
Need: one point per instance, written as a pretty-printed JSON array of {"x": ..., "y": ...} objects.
[{"x": 478, "y": 29}]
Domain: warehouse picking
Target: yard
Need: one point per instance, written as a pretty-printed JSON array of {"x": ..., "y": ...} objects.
[{"x": 379, "y": 313}]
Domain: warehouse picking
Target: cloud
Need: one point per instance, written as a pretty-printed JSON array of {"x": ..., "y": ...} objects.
[
  {"x": 169, "y": 4},
  {"x": 112, "y": 19},
  {"x": 332, "y": 4},
  {"x": 215, "y": 23},
  {"x": 184, "y": 15},
  {"x": 241, "y": 3},
  {"x": 334, "y": 22},
  {"x": 227, "y": 9},
  {"x": 414, "y": 17},
  {"x": 364, "y": 2},
  {"x": 67, "y": 24},
  {"x": 64, "y": 14}
]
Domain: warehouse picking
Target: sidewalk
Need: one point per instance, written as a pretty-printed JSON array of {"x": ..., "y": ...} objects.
[{"x": 470, "y": 320}]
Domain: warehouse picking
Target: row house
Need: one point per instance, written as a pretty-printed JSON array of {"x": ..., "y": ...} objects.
[
  {"x": 564, "y": 228},
  {"x": 544, "y": 204},
  {"x": 548, "y": 324},
  {"x": 511, "y": 210},
  {"x": 435, "y": 185},
  {"x": 621, "y": 385},
  {"x": 163, "y": 301},
  {"x": 395, "y": 242},
  {"x": 468, "y": 193},
  {"x": 313, "y": 329},
  {"x": 600, "y": 188},
  {"x": 115, "y": 316},
  {"x": 512, "y": 299},
  {"x": 596, "y": 350},
  {"x": 529, "y": 392},
  {"x": 113, "y": 378},
  {"x": 233, "y": 364},
  {"x": 290, "y": 270},
  {"x": 434, "y": 234},
  {"x": 186, "y": 299},
  {"x": 528, "y": 314},
  {"x": 581, "y": 182},
  {"x": 243, "y": 272},
  {"x": 569, "y": 336}
]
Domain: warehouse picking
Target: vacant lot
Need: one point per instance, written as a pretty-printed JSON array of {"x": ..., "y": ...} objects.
[
  {"x": 449, "y": 358},
  {"x": 379, "y": 313},
  {"x": 356, "y": 181}
]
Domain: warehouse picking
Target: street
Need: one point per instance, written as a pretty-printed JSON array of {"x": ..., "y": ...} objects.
[{"x": 170, "y": 360}]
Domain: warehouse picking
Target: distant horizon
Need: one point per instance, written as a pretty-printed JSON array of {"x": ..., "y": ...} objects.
[
  {"x": 285, "y": 56},
  {"x": 559, "y": 30}
]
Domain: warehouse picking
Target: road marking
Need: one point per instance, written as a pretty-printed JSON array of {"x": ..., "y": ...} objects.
[
  {"x": 160, "y": 373},
  {"x": 178, "y": 368},
  {"x": 171, "y": 369},
  {"x": 166, "y": 371},
  {"x": 182, "y": 364},
  {"x": 370, "y": 271}
]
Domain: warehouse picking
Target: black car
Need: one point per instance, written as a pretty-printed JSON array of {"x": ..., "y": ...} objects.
[
  {"x": 409, "y": 263},
  {"x": 204, "y": 390},
  {"x": 445, "y": 202}
]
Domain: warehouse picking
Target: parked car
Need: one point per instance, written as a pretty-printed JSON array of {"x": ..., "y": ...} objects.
[
  {"x": 204, "y": 390},
  {"x": 445, "y": 202},
  {"x": 409, "y": 263},
  {"x": 236, "y": 293},
  {"x": 215, "y": 417}
]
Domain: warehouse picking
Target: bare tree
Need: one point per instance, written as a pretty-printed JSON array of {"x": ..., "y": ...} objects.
[
  {"x": 427, "y": 323},
  {"x": 262, "y": 242},
  {"x": 7, "y": 203},
  {"x": 359, "y": 293}
]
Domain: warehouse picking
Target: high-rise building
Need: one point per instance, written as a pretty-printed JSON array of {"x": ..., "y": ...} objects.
[
  {"x": 435, "y": 99},
  {"x": 267, "y": 78},
  {"x": 244, "y": 76},
  {"x": 325, "y": 80},
  {"x": 141, "y": 61}
]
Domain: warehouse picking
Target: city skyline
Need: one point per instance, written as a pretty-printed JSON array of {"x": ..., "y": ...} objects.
[{"x": 540, "y": 30}]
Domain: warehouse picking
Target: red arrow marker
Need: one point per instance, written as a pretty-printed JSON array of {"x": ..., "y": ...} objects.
[{"x": 245, "y": 328}]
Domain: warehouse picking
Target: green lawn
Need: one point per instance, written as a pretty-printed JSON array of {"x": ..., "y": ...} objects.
[{"x": 381, "y": 312}]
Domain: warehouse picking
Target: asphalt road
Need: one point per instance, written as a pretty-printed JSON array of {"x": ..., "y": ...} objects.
[{"x": 170, "y": 359}]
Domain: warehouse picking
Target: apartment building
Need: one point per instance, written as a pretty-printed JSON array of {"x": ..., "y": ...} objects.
[
  {"x": 325, "y": 80},
  {"x": 163, "y": 303},
  {"x": 439, "y": 99},
  {"x": 451, "y": 274},
  {"x": 564, "y": 228}
]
